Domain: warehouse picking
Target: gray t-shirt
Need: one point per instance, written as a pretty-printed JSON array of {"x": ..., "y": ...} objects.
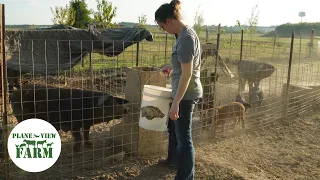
[{"x": 185, "y": 50}]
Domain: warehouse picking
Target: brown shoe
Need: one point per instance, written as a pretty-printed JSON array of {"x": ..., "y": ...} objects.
[{"x": 165, "y": 162}]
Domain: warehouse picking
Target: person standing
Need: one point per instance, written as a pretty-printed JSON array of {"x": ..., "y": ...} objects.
[{"x": 186, "y": 88}]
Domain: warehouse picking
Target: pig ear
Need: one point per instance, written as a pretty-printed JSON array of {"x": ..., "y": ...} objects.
[
  {"x": 121, "y": 101},
  {"x": 102, "y": 99}
]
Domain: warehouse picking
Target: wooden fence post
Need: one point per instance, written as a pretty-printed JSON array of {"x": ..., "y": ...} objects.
[
  {"x": 288, "y": 78},
  {"x": 241, "y": 50},
  {"x": 4, "y": 93},
  {"x": 311, "y": 43},
  {"x": 214, "y": 123}
]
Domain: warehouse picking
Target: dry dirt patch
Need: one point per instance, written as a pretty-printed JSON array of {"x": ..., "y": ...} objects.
[{"x": 275, "y": 152}]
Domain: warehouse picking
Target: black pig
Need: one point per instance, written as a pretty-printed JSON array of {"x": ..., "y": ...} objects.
[{"x": 67, "y": 109}]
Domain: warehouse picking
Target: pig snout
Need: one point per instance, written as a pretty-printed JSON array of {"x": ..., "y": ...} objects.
[
  {"x": 123, "y": 104},
  {"x": 126, "y": 109}
]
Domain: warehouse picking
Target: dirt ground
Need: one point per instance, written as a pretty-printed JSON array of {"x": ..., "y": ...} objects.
[
  {"x": 276, "y": 151},
  {"x": 290, "y": 151}
]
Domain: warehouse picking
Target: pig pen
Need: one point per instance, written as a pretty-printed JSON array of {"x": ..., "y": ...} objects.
[
  {"x": 111, "y": 81},
  {"x": 106, "y": 151},
  {"x": 92, "y": 161},
  {"x": 278, "y": 103}
]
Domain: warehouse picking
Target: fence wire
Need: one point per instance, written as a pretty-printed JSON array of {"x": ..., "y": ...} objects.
[{"x": 116, "y": 135}]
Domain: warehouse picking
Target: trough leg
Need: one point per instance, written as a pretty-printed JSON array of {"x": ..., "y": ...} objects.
[
  {"x": 242, "y": 83},
  {"x": 250, "y": 83},
  {"x": 257, "y": 84},
  {"x": 260, "y": 100}
]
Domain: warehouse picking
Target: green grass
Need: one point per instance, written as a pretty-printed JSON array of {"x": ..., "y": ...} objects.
[
  {"x": 153, "y": 53},
  {"x": 158, "y": 52}
]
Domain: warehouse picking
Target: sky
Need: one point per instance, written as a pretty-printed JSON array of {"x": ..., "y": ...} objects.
[{"x": 225, "y": 12}]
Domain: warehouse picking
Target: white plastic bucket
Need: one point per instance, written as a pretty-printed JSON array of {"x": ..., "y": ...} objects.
[{"x": 155, "y": 107}]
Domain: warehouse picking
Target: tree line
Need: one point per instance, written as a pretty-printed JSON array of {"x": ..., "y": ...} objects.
[
  {"x": 285, "y": 30},
  {"x": 77, "y": 14},
  {"x": 303, "y": 29}
]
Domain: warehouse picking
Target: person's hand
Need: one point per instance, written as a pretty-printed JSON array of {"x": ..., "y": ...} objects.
[
  {"x": 174, "y": 111},
  {"x": 166, "y": 70}
]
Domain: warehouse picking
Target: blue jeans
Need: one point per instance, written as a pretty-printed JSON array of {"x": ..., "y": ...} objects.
[{"x": 180, "y": 147}]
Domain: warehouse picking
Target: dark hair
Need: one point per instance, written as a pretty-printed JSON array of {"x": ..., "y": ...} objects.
[{"x": 168, "y": 11}]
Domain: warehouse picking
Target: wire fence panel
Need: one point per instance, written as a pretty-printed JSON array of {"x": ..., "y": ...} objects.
[{"x": 69, "y": 97}]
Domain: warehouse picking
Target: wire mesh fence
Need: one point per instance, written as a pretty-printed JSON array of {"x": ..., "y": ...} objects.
[{"x": 69, "y": 98}]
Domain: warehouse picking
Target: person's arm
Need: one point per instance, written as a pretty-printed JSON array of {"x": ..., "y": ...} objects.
[
  {"x": 185, "y": 54},
  {"x": 184, "y": 81}
]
